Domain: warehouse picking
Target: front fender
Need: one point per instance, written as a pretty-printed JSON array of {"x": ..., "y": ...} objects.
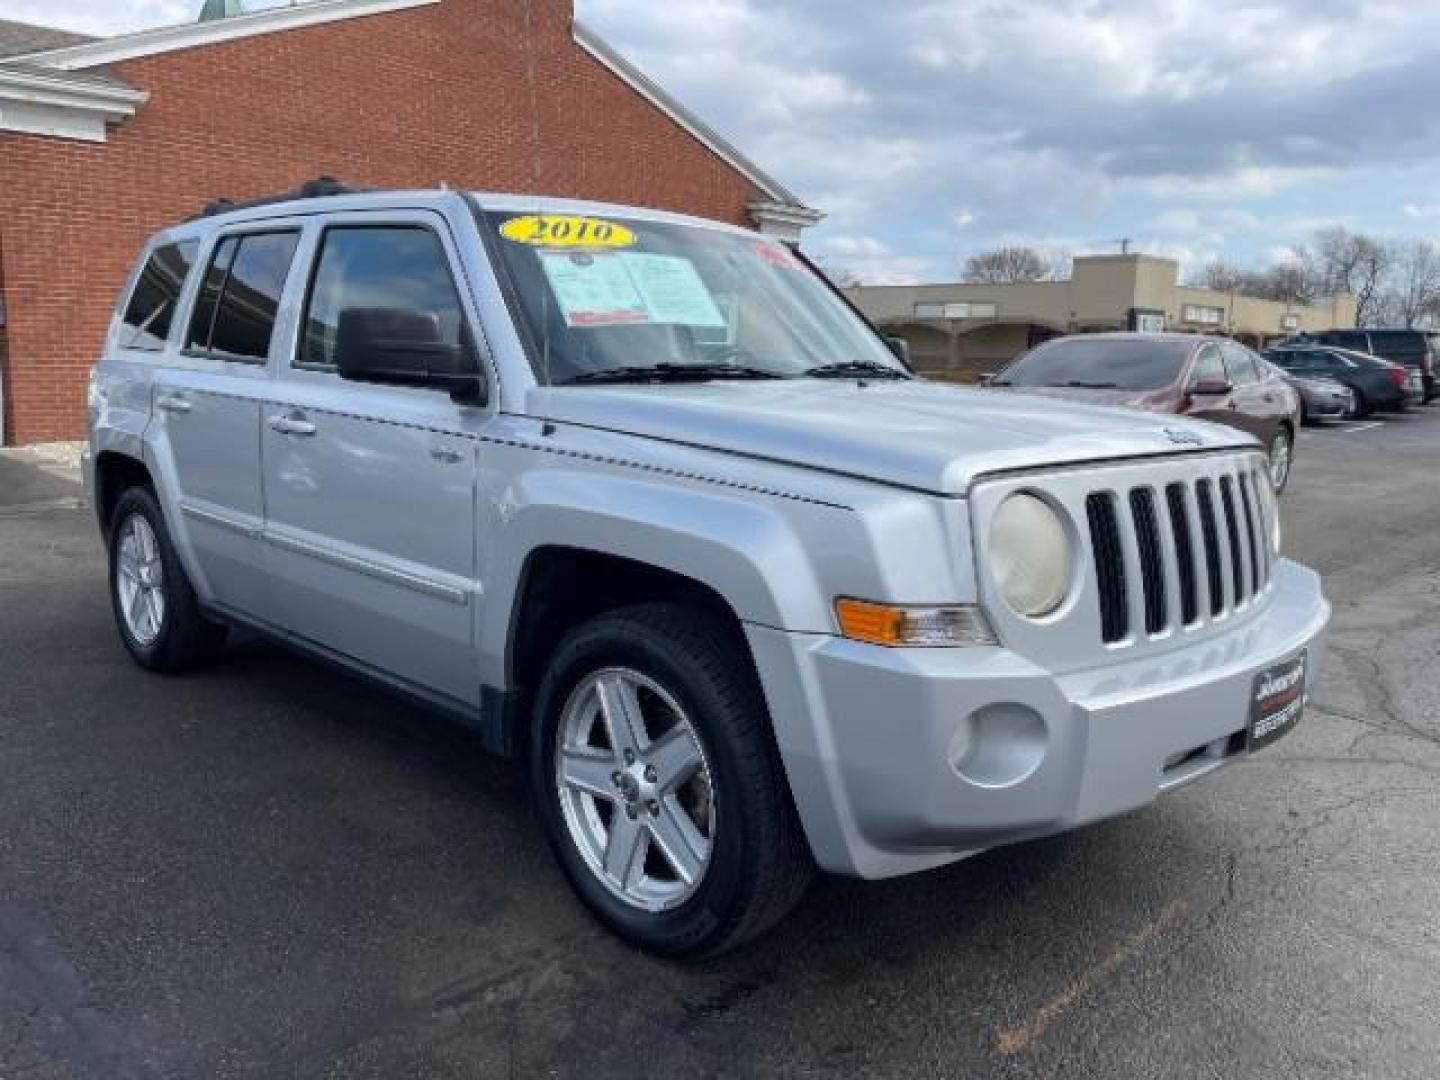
[{"x": 751, "y": 550}]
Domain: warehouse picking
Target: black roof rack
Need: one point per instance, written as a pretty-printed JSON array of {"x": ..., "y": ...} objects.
[{"x": 319, "y": 188}]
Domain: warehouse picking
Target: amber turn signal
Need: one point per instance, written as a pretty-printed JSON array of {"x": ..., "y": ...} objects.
[{"x": 916, "y": 627}]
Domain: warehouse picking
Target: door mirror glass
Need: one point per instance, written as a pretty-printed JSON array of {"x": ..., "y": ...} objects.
[{"x": 403, "y": 347}]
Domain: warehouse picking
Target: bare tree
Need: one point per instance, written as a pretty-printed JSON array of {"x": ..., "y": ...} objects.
[
  {"x": 1005, "y": 266},
  {"x": 1289, "y": 282},
  {"x": 1355, "y": 263},
  {"x": 1059, "y": 264},
  {"x": 1221, "y": 276},
  {"x": 1413, "y": 298}
]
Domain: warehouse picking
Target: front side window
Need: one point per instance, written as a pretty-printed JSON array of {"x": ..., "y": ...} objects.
[
  {"x": 1099, "y": 363},
  {"x": 1208, "y": 367},
  {"x": 150, "y": 311},
  {"x": 235, "y": 313},
  {"x": 392, "y": 268},
  {"x": 629, "y": 299},
  {"x": 1241, "y": 365}
]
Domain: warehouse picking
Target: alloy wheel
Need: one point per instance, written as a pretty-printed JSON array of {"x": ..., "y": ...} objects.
[
  {"x": 140, "y": 580},
  {"x": 635, "y": 789}
]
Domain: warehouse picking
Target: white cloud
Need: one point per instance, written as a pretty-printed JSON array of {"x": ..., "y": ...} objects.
[{"x": 941, "y": 124}]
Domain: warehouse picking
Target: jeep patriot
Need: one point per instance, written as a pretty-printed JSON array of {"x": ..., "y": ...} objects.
[{"x": 644, "y": 501}]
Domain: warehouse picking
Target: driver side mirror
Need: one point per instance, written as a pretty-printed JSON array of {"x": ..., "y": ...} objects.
[
  {"x": 403, "y": 347},
  {"x": 1211, "y": 388}
]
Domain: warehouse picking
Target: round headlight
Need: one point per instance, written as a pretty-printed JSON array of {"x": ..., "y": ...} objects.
[{"x": 1030, "y": 555}]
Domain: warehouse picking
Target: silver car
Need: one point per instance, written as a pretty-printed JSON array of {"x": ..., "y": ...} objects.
[
  {"x": 1320, "y": 398},
  {"x": 646, "y": 502}
]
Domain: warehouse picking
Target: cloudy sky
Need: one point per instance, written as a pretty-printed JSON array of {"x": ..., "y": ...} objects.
[{"x": 930, "y": 128}]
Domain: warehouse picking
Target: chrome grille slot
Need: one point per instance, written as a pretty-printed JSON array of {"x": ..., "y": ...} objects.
[
  {"x": 1214, "y": 574},
  {"x": 1109, "y": 566},
  {"x": 1152, "y": 571},
  {"x": 1253, "y": 541},
  {"x": 1176, "y": 500},
  {"x": 1238, "y": 577}
]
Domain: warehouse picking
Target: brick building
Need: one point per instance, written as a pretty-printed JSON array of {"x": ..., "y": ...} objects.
[{"x": 104, "y": 140}]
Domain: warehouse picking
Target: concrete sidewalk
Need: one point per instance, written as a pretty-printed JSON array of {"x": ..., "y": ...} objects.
[{"x": 40, "y": 477}]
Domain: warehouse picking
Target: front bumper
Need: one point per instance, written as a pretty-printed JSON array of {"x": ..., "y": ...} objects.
[{"x": 904, "y": 759}]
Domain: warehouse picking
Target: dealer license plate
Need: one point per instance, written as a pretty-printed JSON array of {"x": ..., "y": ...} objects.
[{"x": 1277, "y": 701}]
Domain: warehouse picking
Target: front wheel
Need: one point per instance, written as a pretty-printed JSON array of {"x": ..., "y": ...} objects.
[
  {"x": 1282, "y": 448},
  {"x": 156, "y": 609},
  {"x": 660, "y": 785}
]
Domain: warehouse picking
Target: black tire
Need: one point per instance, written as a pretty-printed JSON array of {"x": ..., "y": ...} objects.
[
  {"x": 186, "y": 638},
  {"x": 760, "y": 864}
]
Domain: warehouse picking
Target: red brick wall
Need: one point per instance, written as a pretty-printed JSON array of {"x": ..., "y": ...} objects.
[{"x": 411, "y": 98}]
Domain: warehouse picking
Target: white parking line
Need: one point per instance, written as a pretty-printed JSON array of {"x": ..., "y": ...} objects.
[{"x": 1351, "y": 429}]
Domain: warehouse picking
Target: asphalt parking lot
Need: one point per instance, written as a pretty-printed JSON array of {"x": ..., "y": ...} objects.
[{"x": 270, "y": 870}]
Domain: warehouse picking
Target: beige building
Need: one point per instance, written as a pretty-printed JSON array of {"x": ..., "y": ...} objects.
[{"x": 961, "y": 331}]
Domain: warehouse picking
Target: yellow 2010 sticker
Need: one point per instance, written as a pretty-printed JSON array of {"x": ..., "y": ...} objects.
[{"x": 567, "y": 231}]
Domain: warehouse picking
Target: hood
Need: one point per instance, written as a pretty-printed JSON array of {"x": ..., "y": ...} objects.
[
  {"x": 1154, "y": 400},
  {"x": 922, "y": 435}
]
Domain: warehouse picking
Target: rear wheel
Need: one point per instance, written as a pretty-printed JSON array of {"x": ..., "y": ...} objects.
[
  {"x": 1358, "y": 406},
  {"x": 156, "y": 609},
  {"x": 660, "y": 786}
]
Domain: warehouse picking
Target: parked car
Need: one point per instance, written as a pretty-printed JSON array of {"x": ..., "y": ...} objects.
[
  {"x": 1320, "y": 398},
  {"x": 1188, "y": 374},
  {"x": 643, "y": 500},
  {"x": 1415, "y": 349},
  {"x": 1376, "y": 383}
]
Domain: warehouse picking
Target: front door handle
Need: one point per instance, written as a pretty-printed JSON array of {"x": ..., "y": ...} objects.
[
  {"x": 292, "y": 424},
  {"x": 173, "y": 403}
]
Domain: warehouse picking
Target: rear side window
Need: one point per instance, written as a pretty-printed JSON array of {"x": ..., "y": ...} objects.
[
  {"x": 151, "y": 309},
  {"x": 235, "y": 314},
  {"x": 1398, "y": 344},
  {"x": 399, "y": 268}
]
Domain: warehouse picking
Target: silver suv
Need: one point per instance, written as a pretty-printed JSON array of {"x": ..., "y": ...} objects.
[{"x": 643, "y": 500}]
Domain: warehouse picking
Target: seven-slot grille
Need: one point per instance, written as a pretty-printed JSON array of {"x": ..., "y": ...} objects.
[{"x": 1174, "y": 554}]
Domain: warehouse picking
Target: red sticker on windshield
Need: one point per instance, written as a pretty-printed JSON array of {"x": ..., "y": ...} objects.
[{"x": 778, "y": 255}]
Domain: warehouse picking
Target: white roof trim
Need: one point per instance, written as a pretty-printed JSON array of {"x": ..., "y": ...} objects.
[
  {"x": 191, "y": 35},
  {"x": 38, "y": 103},
  {"x": 54, "y": 88},
  {"x": 647, "y": 88}
]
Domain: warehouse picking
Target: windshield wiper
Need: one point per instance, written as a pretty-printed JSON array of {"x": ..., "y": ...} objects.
[
  {"x": 847, "y": 369},
  {"x": 1081, "y": 385},
  {"x": 672, "y": 373}
]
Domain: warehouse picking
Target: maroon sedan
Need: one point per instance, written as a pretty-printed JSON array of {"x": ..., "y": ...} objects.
[{"x": 1203, "y": 377}]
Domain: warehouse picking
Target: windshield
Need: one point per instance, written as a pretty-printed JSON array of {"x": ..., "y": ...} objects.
[
  {"x": 627, "y": 299},
  {"x": 1099, "y": 363}
]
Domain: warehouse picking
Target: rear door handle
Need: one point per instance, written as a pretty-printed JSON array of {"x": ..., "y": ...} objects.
[
  {"x": 292, "y": 424},
  {"x": 173, "y": 403}
]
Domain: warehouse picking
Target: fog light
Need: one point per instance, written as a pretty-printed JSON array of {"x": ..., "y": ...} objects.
[{"x": 999, "y": 746}]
